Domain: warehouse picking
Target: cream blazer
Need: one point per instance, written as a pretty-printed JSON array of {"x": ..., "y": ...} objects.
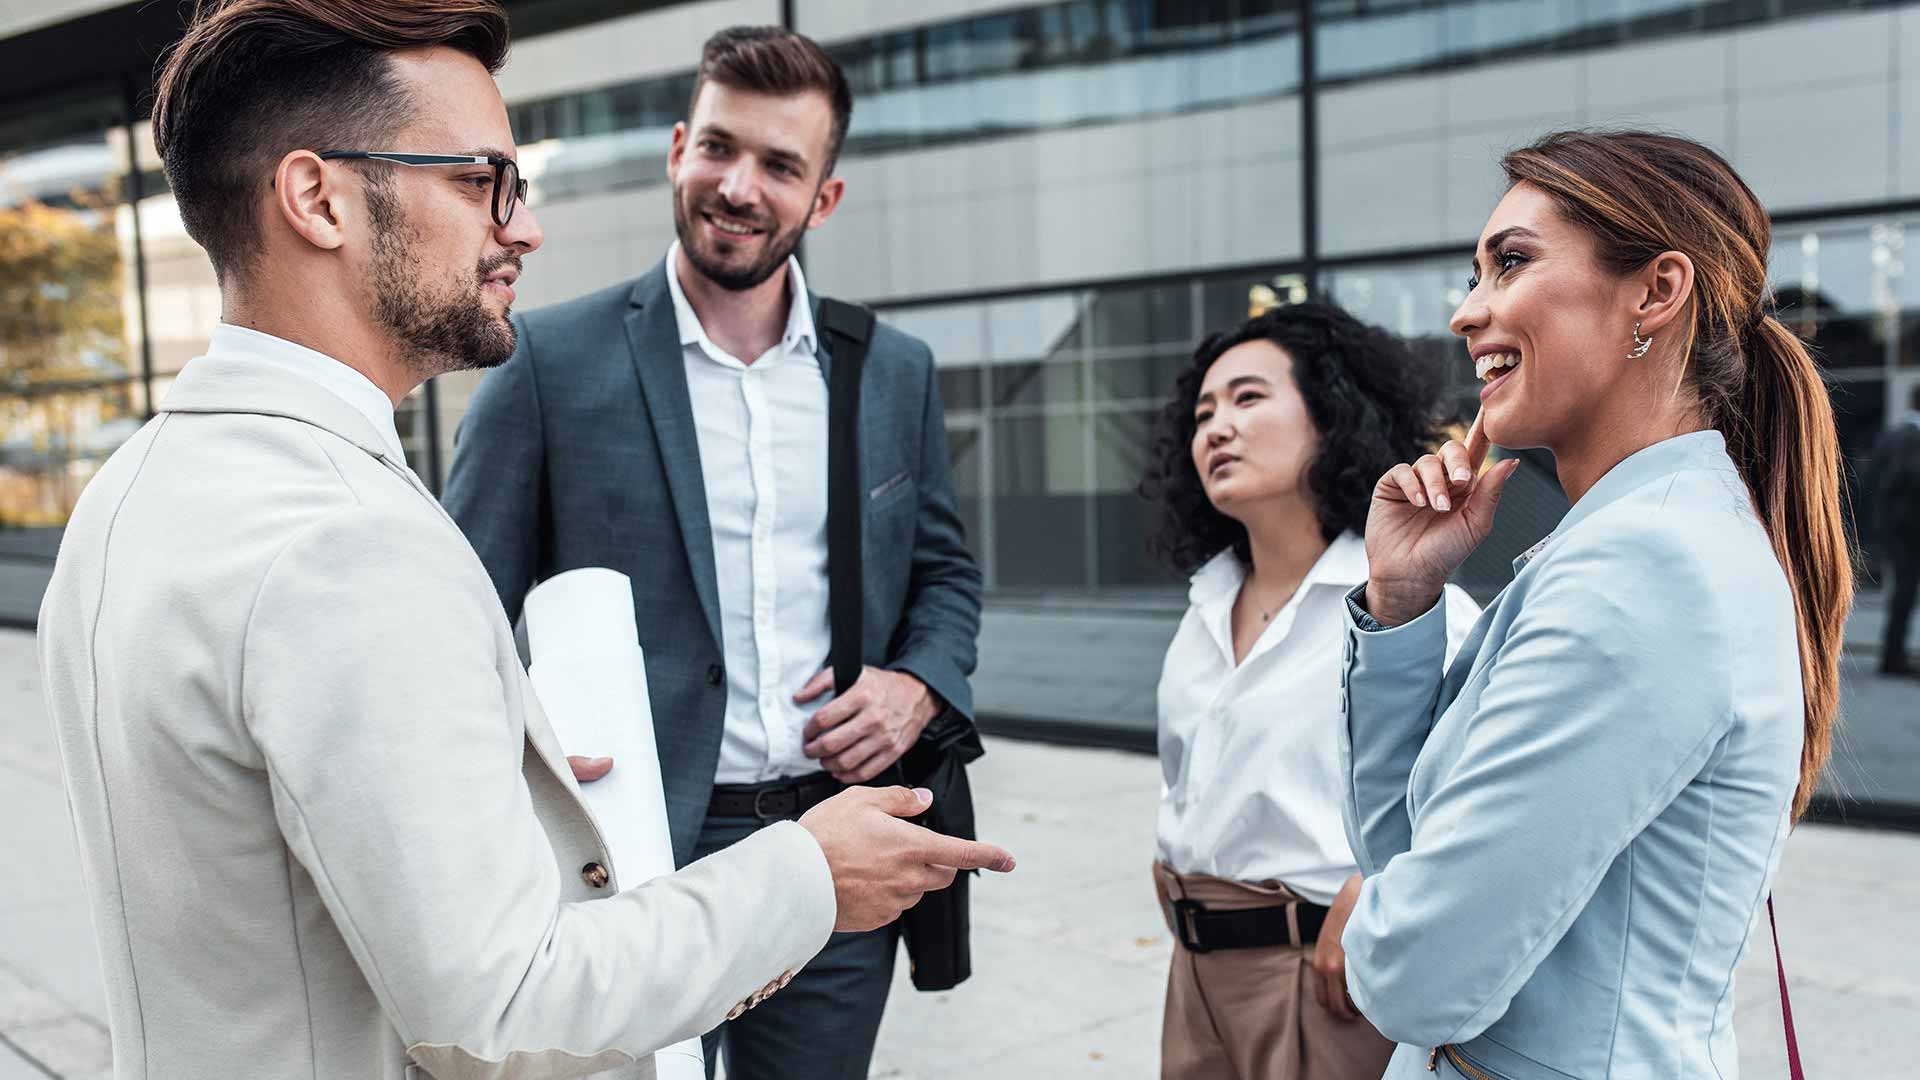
[{"x": 325, "y": 828}]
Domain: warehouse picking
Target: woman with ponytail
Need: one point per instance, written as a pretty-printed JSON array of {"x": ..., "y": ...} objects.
[{"x": 1565, "y": 838}]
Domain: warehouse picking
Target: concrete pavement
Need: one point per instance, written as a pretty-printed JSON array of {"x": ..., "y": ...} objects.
[{"x": 1069, "y": 951}]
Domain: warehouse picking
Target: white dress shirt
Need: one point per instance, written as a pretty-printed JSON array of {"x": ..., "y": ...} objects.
[
  {"x": 762, "y": 431},
  {"x": 340, "y": 380},
  {"x": 1250, "y": 754}
]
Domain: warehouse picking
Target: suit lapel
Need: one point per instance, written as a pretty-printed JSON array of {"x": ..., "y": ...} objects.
[{"x": 654, "y": 341}]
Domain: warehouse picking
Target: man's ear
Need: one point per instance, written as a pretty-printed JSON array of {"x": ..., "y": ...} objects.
[
  {"x": 676, "y": 150},
  {"x": 825, "y": 201},
  {"x": 312, "y": 200}
]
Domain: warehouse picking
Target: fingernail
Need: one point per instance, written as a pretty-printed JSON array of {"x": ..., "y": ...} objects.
[
  {"x": 1419, "y": 498},
  {"x": 924, "y": 795},
  {"x": 1463, "y": 474},
  {"x": 1440, "y": 503},
  {"x": 601, "y": 761}
]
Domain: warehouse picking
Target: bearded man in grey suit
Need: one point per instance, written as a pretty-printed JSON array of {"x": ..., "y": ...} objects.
[
  {"x": 676, "y": 428},
  {"x": 325, "y": 829}
]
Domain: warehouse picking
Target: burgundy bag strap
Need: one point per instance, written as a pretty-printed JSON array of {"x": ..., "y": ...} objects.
[{"x": 1786, "y": 1007}]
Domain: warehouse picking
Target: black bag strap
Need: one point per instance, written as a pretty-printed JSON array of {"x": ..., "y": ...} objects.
[{"x": 849, "y": 332}]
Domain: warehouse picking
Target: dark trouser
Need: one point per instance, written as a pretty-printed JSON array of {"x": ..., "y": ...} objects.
[
  {"x": 822, "y": 1026},
  {"x": 1906, "y": 582}
]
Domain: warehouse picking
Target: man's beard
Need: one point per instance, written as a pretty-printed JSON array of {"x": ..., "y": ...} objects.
[
  {"x": 779, "y": 248},
  {"x": 437, "y": 332}
]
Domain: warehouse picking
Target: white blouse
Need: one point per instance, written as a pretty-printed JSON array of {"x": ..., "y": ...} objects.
[{"x": 1250, "y": 755}]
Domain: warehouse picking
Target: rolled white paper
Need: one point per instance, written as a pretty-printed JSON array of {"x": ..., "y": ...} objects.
[{"x": 591, "y": 679}]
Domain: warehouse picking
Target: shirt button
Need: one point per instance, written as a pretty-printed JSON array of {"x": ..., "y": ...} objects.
[
  {"x": 594, "y": 875},
  {"x": 715, "y": 674}
]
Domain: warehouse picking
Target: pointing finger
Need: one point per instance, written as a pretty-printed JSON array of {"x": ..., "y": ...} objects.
[{"x": 965, "y": 854}]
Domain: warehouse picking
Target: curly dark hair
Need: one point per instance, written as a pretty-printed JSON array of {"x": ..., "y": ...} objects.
[{"x": 1373, "y": 402}]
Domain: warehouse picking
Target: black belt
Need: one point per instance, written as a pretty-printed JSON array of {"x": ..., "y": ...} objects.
[
  {"x": 771, "y": 802},
  {"x": 1201, "y": 930}
]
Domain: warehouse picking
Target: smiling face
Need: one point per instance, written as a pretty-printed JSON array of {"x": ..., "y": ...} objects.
[
  {"x": 1546, "y": 325},
  {"x": 438, "y": 269},
  {"x": 748, "y": 174},
  {"x": 1253, "y": 438}
]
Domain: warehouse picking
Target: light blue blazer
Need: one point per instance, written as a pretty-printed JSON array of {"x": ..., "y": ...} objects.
[{"x": 1566, "y": 837}]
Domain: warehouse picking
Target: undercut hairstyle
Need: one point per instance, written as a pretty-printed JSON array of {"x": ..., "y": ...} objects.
[
  {"x": 1373, "y": 402},
  {"x": 254, "y": 80},
  {"x": 778, "y": 62}
]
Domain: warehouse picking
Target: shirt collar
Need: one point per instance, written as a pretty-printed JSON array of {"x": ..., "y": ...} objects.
[
  {"x": 343, "y": 381},
  {"x": 1343, "y": 565},
  {"x": 799, "y": 333},
  {"x": 1694, "y": 450}
]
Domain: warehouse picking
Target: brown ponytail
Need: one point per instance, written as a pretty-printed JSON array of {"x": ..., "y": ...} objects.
[
  {"x": 1784, "y": 441},
  {"x": 1641, "y": 194}
]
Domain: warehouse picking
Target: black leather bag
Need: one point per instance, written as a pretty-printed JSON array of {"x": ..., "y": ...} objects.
[{"x": 937, "y": 928}]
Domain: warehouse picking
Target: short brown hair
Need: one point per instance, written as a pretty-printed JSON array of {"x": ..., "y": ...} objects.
[
  {"x": 253, "y": 80},
  {"x": 771, "y": 60}
]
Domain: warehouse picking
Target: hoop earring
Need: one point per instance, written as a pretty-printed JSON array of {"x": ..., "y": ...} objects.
[{"x": 1640, "y": 344}]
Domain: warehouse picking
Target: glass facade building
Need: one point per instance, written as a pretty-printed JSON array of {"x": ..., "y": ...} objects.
[{"x": 1062, "y": 198}]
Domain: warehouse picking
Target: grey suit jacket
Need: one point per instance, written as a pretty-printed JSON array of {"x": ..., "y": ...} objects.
[
  {"x": 580, "y": 451},
  {"x": 325, "y": 828}
]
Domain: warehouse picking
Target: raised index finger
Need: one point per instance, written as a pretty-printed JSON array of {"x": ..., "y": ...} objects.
[
  {"x": 1477, "y": 441},
  {"x": 965, "y": 854}
]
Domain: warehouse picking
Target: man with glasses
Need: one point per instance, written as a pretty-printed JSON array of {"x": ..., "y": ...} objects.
[
  {"x": 326, "y": 831},
  {"x": 694, "y": 428}
]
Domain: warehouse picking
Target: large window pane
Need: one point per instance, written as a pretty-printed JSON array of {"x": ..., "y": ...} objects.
[
  {"x": 52, "y": 441},
  {"x": 1414, "y": 301},
  {"x": 1122, "y": 519},
  {"x": 1041, "y": 479},
  {"x": 1143, "y": 315},
  {"x": 1061, "y": 64},
  {"x": 69, "y": 389}
]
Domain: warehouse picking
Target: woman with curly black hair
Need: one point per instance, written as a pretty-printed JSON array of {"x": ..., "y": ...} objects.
[{"x": 1263, "y": 466}]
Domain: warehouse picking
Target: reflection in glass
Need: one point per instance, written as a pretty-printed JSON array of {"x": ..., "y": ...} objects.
[
  {"x": 1046, "y": 66},
  {"x": 1040, "y": 479},
  {"x": 1061, "y": 64},
  {"x": 1414, "y": 301},
  {"x": 1122, "y": 519},
  {"x": 66, "y": 369},
  {"x": 1358, "y": 39}
]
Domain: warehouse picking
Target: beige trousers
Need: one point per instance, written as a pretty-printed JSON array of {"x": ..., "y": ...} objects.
[{"x": 1250, "y": 1014}]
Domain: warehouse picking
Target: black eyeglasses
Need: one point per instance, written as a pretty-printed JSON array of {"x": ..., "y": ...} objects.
[{"x": 509, "y": 189}]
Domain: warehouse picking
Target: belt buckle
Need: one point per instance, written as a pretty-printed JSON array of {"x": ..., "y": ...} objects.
[
  {"x": 761, "y": 813},
  {"x": 1185, "y": 926}
]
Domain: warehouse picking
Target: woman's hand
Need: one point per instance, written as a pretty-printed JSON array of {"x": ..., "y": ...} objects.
[
  {"x": 1426, "y": 518},
  {"x": 1330, "y": 960}
]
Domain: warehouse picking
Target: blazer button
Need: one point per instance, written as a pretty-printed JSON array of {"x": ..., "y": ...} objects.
[
  {"x": 715, "y": 674},
  {"x": 594, "y": 874}
]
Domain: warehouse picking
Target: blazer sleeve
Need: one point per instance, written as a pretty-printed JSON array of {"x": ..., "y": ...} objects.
[
  {"x": 1389, "y": 684},
  {"x": 371, "y": 686},
  {"x": 1600, "y": 705},
  {"x": 496, "y": 486},
  {"x": 935, "y": 641}
]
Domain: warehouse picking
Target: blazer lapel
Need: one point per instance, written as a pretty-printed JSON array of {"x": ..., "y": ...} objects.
[{"x": 654, "y": 339}]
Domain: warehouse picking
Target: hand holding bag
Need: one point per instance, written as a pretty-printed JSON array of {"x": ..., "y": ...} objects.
[{"x": 937, "y": 928}]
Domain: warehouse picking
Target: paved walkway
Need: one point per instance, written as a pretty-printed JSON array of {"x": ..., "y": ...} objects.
[{"x": 1069, "y": 951}]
